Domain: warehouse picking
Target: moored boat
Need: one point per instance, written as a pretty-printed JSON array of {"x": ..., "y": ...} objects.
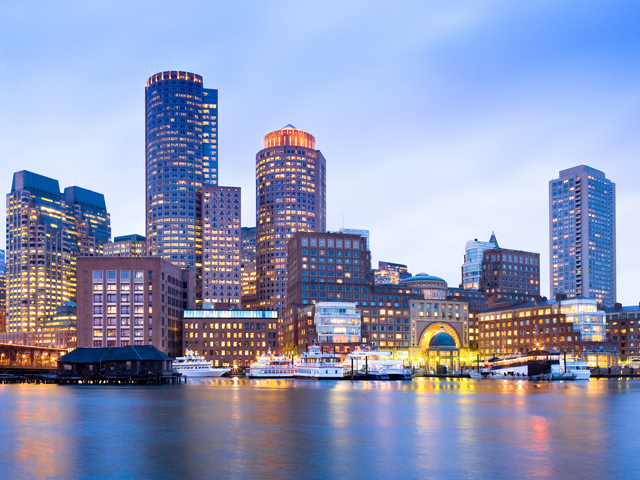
[
  {"x": 192, "y": 365},
  {"x": 375, "y": 365},
  {"x": 318, "y": 365},
  {"x": 271, "y": 366}
]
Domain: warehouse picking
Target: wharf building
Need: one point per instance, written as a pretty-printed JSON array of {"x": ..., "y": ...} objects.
[
  {"x": 230, "y": 337},
  {"x": 510, "y": 275},
  {"x": 46, "y": 231},
  {"x": 623, "y": 327},
  {"x": 290, "y": 198},
  {"x": 126, "y": 246},
  {"x": 473, "y": 257},
  {"x": 181, "y": 119},
  {"x": 222, "y": 247},
  {"x": 132, "y": 301},
  {"x": 390, "y": 273},
  {"x": 572, "y": 325},
  {"x": 582, "y": 235}
]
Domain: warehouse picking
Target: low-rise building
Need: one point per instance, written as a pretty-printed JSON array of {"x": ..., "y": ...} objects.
[
  {"x": 230, "y": 337},
  {"x": 132, "y": 301},
  {"x": 623, "y": 327},
  {"x": 126, "y": 246}
]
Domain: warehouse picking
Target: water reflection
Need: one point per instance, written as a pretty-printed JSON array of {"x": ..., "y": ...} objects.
[{"x": 282, "y": 428}]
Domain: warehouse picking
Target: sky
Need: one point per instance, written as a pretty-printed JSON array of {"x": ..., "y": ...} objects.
[{"x": 440, "y": 121}]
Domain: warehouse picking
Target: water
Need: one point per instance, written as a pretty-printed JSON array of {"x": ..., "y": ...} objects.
[{"x": 226, "y": 428}]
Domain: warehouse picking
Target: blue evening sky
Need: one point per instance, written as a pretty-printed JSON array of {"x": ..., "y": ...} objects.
[{"x": 440, "y": 121}]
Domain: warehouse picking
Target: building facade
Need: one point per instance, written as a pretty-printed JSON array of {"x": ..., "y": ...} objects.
[
  {"x": 181, "y": 156},
  {"x": 473, "y": 257},
  {"x": 357, "y": 231},
  {"x": 248, "y": 244},
  {"x": 582, "y": 235},
  {"x": 510, "y": 275},
  {"x": 230, "y": 337},
  {"x": 126, "y": 246},
  {"x": 574, "y": 325},
  {"x": 390, "y": 273},
  {"x": 132, "y": 301},
  {"x": 290, "y": 198},
  {"x": 623, "y": 324},
  {"x": 43, "y": 243},
  {"x": 222, "y": 247}
]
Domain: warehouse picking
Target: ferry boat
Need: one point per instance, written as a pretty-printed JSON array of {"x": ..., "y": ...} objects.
[
  {"x": 374, "y": 365},
  {"x": 537, "y": 362},
  {"x": 573, "y": 369},
  {"x": 318, "y": 365},
  {"x": 271, "y": 366},
  {"x": 192, "y": 365}
]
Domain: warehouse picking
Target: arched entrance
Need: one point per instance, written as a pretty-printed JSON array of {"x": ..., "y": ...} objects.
[
  {"x": 435, "y": 357},
  {"x": 434, "y": 329}
]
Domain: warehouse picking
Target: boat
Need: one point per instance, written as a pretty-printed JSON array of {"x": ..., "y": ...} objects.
[
  {"x": 571, "y": 368},
  {"x": 374, "y": 365},
  {"x": 475, "y": 375},
  {"x": 271, "y": 366},
  {"x": 321, "y": 366},
  {"x": 535, "y": 363},
  {"x": 192, "y": 365}
]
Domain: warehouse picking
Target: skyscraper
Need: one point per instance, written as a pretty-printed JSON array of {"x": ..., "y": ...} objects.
[
  {"x": 221, "y": 244},
  {"x": 181, "y": 157},
  {"x": 43, "y": 243},
  {"x": 472, "y": 267},
  {"x": 582, "y": 235},
  {"x": 290, "y": 198}
]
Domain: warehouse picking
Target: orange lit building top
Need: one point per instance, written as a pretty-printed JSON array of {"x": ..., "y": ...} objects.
[{"x": 289, "y": 135}]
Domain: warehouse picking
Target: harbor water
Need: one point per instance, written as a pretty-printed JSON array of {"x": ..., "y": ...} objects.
[{"x": 241, "y": 428}]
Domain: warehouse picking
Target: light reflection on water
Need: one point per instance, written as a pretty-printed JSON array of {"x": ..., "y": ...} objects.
[{"x": 279, "y": 428}]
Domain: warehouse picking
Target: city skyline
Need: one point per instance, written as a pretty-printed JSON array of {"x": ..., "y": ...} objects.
[{"x": 481, "y": 144}]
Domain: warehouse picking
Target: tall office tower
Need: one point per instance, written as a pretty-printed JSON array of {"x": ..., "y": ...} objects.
[
  {"x": 221, "y": 244},
  {"x": 582, "y": 235},
  {"x": 3, "y": 265},
  {"x": 42, "y": 247},
  {"x": 3, "y": 293},
  {"x": 389, "y": 273},
  {"x": 181, "y": 157},
  {"x": 472, "y": 266},
  {"x": 92, "y": 220},
  {"x": 290, "y": 198},
  {"x": 126, "y": 246},
  {"x": 249, "y": 244}
]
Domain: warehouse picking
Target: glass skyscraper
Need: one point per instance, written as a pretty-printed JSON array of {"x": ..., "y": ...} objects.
[
  {"x": 181, "y": 157},
  {"x": 582, "y": 235},
  {"x": 472, "y": 266},
  {"x": 290, "y": 198}
]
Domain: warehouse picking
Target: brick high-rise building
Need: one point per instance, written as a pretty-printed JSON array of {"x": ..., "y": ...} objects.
[
  {"x": 132, "y": 301},
  {"x": 290, "y": 198},
  {"x": 510, "y": 275},
  {"x": 582, "y": 235},
  {"x": 181, "y": 157},
  {"x": 46, "y": 232}
]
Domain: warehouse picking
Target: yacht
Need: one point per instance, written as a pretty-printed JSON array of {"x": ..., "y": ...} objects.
[
  {"x": 192, "y": 365},
  {"x": 537, "y": 362},
  {"x": 315, "y": 364},
  {"x": 573, "y": 369},
  {"x": 374, "y": 365},
  {"x": 271, "y": 366}
]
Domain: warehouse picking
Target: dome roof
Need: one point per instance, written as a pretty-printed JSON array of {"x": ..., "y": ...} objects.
[
  {"x": 423, "y": 277},
  {"x": 442, "y": 339}
]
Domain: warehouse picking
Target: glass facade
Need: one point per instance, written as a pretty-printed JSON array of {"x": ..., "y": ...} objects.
[
  {"x": 582, "y": 235},
  {"x": 181, "y": 157},
  {"x": 472, "y": 266}
]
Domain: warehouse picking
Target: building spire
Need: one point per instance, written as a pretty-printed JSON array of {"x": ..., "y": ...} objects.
[{"x": 494, "y": 240}]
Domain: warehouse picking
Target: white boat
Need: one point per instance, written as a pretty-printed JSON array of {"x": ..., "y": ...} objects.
[
  {"x": 192, "y": 365},
  {"x": 375, "y": 365},
  {"x": 475, "y": 375},
  {"x": 575, "y": 369},
  {"x": 318, "y": 365},
  {"x": 271, "y": 366}
]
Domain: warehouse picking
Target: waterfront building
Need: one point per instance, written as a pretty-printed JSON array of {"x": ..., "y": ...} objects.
[
  {"x": 473, "y": 257},
  {"x": 132, "y": 301},
  {"x": 230, "y": 337},
  {"x": 356, "y": 231},
  {"x": 333, "y": 325},
  {"x": 623, "y": 327},
  {"x": 45, "y": 235},
  {"x": 510, "y": 275},
  {"x": 3, "y": 293},
  {"x": 390, "y": 273},
  {"x": 574, "y": 325},
  {"x": 290, "y": 198},
  {"x": 477, "y": 302},
  {"x": 442, "y": 354},
  {"x": 126, "y": 246},
  {"x": 248, "y": 244},
  {"x": 181, "y": 157},
  {"x": 582, "y": 235},
  {"x": 221, "y": 274}
]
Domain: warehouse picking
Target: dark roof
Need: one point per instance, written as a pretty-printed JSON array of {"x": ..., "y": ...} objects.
[
  {"x": 32, "y": 181},
  {"x": 131, "y": 238},
  {"x": 442, "y": 339},
  {"x": 131, "y": 352},
  {"x": 86, "y": 198},
  {"x": 631, "y": 308}
]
